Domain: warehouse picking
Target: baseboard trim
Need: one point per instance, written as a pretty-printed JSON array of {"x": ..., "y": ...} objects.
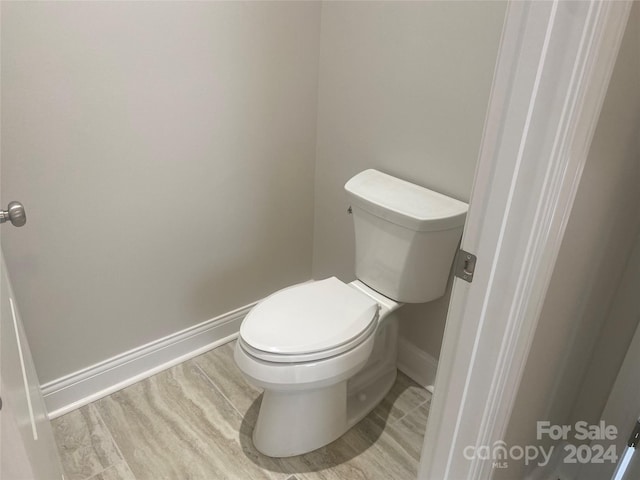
[
  {"x": 97, "y": 381},
  {"x": 417, "y": 364},
  {"x": 92, "y": 383}
]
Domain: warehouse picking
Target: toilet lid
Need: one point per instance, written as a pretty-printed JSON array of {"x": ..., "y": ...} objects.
[{"x": 308, "y": 318}]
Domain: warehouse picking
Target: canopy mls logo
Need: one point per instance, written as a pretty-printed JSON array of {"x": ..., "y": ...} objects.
[{"x": 499, "y": 453}]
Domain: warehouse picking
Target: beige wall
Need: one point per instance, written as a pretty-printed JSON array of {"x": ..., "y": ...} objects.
[
  {"x": 595, "y": 251},
  {"x": 165, "y": 154},
  {"x": 168, "y": 153},
  {"x": 404, "y": 89},
  {"x": 611, "y": 346},
  {"x": 623, "y": 312}
]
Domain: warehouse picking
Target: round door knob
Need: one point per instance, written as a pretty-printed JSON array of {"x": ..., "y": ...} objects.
[{"x": 14, "y": 213}]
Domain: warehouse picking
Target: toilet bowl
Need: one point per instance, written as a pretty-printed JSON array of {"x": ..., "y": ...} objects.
[
  {"x": 327, "y": 334},
  {"x": 325, "y": 351}
]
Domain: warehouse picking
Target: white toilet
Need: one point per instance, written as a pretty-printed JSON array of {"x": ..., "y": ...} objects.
[{"x": 325, "y": 351}]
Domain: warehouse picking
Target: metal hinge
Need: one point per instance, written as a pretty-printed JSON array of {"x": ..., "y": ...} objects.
[
  {"x": 634, "y": 438},
  {"x": 465, "y": 265}
]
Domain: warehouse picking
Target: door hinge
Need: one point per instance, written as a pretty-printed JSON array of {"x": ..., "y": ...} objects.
[
  {"x": 634, "y": 438},
  {"x": 465, "y": 265}
]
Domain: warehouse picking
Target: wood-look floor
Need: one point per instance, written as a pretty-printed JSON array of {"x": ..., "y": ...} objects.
[{"x": 194, "y": 422}]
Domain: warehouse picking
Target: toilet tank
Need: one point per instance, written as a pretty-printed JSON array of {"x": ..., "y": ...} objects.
[{"x": 406, "y": 236}]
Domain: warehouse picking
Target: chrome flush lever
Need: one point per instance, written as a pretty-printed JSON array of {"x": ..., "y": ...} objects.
[{"x": 14, "y": 213}]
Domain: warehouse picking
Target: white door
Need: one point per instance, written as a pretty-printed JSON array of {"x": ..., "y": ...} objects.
[
  {"x": 27, "y": 446},
  {"x": 553, "y": 70}
]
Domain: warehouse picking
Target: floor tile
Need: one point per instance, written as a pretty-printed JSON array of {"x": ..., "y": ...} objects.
[
  {"x": 195, "y": 421},
  {"x": 332, "y": 462},
  {"x": 84, "y": 443},
  {"x": 365, "y": 452},
  {"x": 409, "y": 430},
  {"x": 382, "y": 456},
  {"x": 175, "y": 425},
  {"x": 404, "y": 396},
  {"x": 220, "y": 367},
  {"x": 120, "y": 471}
]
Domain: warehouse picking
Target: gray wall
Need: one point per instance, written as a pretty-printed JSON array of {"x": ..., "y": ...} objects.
[
  {"x": 170, "y": 154},
  {"x": 588, "y": 274},
  {"x": 404, "y": 89},
  {"x": 623, "y": 312},
  {"x": 613, "y": 342},
  {"x": 165, "y": 154}
]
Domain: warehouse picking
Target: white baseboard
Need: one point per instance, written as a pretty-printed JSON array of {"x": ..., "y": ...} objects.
[
  {"x": 417, "y": 364},
  {"x": 92, "y": 383},
  {"x": 89, "y": 384}
]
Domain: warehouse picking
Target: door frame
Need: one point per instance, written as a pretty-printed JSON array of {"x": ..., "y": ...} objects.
[
  {"x": 27, "y": 444},
  {"x": 554, "y": 65}
]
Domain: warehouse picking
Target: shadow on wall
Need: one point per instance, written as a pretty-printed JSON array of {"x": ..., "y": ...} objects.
[{"x": 414, "y": 315}]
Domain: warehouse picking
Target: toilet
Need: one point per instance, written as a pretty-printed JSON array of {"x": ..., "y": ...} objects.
[{"x": 325, "y": 351}]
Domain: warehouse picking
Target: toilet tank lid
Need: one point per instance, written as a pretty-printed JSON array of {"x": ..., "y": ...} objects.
[{"x": 405, "y": 203}]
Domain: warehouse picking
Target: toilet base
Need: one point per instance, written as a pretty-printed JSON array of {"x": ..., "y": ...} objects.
[
  {"x": 365, "y": 399},
  {"x": 296, "y": 422}
]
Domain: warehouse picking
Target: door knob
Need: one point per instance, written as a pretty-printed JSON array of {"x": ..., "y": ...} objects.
[{"x": 15, "y": 213}]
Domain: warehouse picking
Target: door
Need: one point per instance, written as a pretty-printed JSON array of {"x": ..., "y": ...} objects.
[
  {"x": 553, "y": 70},
  {"x": 27, "y": 447}
]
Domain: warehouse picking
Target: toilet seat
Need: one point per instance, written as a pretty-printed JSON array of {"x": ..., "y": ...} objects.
[
  {"x": 309, "y": 322},
  {"x": 308, "y": 357}
]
